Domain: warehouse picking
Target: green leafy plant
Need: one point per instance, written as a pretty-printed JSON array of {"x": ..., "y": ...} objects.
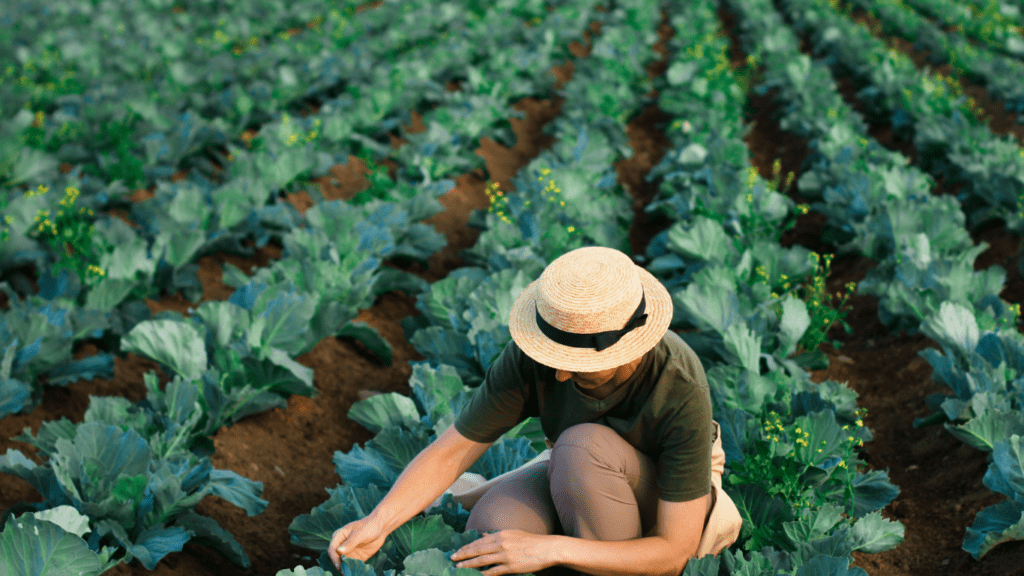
[
  {"x": 35, "y": 136},
  {"x": 40, "y": 81},
  {"x": 382, "y": 187},
  {"x": 135, "y": 500},
  {"x": 755, "y": 220},
  {"x": 54, "y": 535},
  {"x": 552, "y": 221},
  {"x": 69, "y": 233},
  {"x": 749, "y": 75},
  {"x": 806, "y": 460},
  {"x": 119, "y": 134},
  {"x": 819, "y": 303}
]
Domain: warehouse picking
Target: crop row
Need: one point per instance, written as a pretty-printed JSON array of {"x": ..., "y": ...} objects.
[
  {"x": 986, "y": 22},
  {"x": 790, "y": 443},
  {"x": 993, "y": 71},
  {"x": 879, "y": 206},
  {"x": 726, "y": 282},
  {"x": 951, "y": 139},
  {"x": 228, "y": 359}
]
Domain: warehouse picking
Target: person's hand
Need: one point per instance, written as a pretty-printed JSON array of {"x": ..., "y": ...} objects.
[
  {"x": 509, "y": 551},
  {"x": 359, "y": 539}
]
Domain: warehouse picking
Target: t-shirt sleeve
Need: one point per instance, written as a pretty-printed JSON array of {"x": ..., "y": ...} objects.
[
  {"x": 498, "y": 404},
  {"x": 685, "y": 461}
]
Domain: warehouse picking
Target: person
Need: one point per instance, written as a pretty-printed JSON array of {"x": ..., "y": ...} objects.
[{"x": 591, "y": 356}]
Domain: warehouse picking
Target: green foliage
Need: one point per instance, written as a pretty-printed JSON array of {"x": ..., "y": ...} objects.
[
  {"x": 69, "y": 234},
  {"x": 39, "y": 137},
  {"x": 807, "y": 461},
  {"x": 823, "y": 315},
  {"x": 118, "y": 135},
  {"x": 39, "y": 82},
  {"x": 818, "y": 302},
  {"x": 381, "y": 183},
  {"x": 136, "y": 500},
  {"x": 52, "y": 538}
]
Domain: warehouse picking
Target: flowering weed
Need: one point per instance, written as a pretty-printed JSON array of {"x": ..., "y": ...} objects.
[
  {"x": 807, "y": 461},
  {"x": 69, "y": 235},
  {"x": 819, "y": 302}
]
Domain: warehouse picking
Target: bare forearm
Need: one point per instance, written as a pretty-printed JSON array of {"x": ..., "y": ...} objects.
[
  {"x": 653, "y": 556},
  {"x": 422, "y": 481}
]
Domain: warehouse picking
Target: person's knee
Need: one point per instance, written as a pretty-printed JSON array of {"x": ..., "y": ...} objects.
[
  {"x": 483, "y": 519},
  {"x": 588, "y": 436},
  {"x": 495, "y": 511}
]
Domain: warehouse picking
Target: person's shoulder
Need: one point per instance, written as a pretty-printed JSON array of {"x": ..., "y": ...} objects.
[
  {"x": 514, "y": 358},
  {"x": 677, "y": 356},
  {"x": 516, "y": 353},
  {"x": 674, "y": 345}
]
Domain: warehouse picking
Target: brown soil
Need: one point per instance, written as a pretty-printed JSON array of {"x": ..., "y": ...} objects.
[{"x": 290, "y": 450}]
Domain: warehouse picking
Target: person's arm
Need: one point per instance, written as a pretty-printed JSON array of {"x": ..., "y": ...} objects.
[
  {"x": 429, "y": 474},
  {"x": 664, "y": 550}
]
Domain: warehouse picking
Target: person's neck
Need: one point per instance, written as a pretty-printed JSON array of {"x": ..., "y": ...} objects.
[{"x": 608, "y": 388}]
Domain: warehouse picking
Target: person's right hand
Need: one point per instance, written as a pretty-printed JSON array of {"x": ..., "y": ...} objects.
[{"x": 360, "y": 540}]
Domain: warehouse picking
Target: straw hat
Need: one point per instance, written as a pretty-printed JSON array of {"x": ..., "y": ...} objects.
[{"x": 591, "y": 309}]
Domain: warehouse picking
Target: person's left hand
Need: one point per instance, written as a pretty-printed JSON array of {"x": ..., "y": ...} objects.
[{"x": 509, "y": 551}]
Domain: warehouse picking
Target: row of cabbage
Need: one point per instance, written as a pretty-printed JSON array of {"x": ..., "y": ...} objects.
[
  {"x": 999, "y": 10},
  {"x": 193, "y": 87},
  {"x": 995, "y": 72},
  {"x": 181, "y": 224},
  {"x": 196, "y": 217},
  {"x": 466, "y": 314},
  {"x": 228, "y": 359},
  {"x": 880, "y": 207},
  {"x": 112, "y": 268},
  {"x": 990, "y": 22},
  {"x": 748, "y": 308},
  {"x": 952, "y": 140},
  {"x": 771, "y": 413},
  {"x": 978, "y": 332}
]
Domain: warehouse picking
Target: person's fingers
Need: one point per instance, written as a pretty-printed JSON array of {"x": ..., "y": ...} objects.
[{"x": 332, "y": 550}]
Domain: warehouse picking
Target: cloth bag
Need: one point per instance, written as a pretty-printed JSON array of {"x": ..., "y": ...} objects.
[{"x": 721, "y": 528}]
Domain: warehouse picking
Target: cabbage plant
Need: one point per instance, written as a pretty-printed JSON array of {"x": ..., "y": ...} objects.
[{"x": 134, "y": 500}]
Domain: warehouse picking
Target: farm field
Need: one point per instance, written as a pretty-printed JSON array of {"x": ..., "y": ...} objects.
[{"x": 289, "y": 450}]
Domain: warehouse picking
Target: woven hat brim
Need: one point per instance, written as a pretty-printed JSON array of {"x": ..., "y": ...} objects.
[{"x": 526, "y": 333}]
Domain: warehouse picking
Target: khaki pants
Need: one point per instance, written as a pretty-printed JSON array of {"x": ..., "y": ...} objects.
[{"x": 597, "y": 487}]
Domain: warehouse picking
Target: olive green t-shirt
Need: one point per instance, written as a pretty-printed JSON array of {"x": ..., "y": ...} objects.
[{"x": 663, "y": 410}]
